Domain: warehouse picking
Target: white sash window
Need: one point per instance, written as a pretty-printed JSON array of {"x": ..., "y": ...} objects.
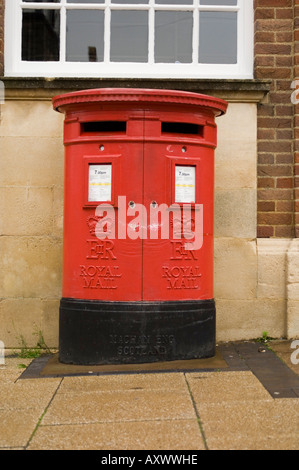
[{"x": 129, "y": 38}]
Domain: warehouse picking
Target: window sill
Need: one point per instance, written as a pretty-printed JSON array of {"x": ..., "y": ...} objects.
[{"x": 234, "y": 90}]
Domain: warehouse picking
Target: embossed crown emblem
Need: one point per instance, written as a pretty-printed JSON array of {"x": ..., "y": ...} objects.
[
  {"x": 183, "y": 227},
  {"x": 97, "y": 229}
]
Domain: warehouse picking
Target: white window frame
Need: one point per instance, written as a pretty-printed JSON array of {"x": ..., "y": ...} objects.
[{"x": 15, "y": 67}]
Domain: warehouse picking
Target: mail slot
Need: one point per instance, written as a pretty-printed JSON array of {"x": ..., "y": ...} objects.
[{"x": 138, "y": 226}]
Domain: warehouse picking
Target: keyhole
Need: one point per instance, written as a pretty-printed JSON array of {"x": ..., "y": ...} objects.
[
  {"x": 154, "y": 204},
  {"x": 132, "y": 204}
]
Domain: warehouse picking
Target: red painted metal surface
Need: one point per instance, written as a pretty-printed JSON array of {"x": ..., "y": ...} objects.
[{"x": 138, "y": 138}]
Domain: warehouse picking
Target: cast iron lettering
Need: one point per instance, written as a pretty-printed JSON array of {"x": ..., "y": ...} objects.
[
  {"x": 179, "y": 252},
  {"x": 99, "y": 277},
  {"x": 103, "y": 249},
  {"x": 142, "y": 345},
  {"x": 181, "y": 277}
]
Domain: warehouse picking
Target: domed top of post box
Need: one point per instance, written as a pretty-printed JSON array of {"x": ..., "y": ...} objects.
[{"x": 137, "y": 95}]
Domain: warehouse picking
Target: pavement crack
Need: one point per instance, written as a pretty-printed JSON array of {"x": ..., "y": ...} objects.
[
  {"x": 197, "y": 414},
  {"x": 42, "y": 415}
]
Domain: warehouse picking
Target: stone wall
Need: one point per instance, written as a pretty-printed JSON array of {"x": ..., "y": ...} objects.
[
  {"x": 31, "y": 202},
  {"x": 255, "y": 280}
]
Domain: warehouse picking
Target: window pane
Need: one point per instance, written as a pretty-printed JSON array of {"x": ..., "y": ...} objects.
[
  {"x": 218, "y": 38},
  {"x": 135, "y": 2},
  {"x": 39, "y": 1},
  {"x": 40, "y": 35},
  {"x": 218, "y": 2},
  {"x": 129, "y": 36},
  {"x": 85, "y": 1},
  {"x": 174, "y": 2},
  {"x": 85, "y": 36},
  {"x": 173, "y": 36}
]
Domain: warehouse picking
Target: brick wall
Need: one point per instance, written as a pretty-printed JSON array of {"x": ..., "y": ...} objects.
[
  {"x": 274, "y": 59},
  {"x": 296, "y": 117},
  {"x": 1, "y": 37}
]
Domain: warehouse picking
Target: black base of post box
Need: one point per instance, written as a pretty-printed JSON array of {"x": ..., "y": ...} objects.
[{"x": 96, "y": 332}]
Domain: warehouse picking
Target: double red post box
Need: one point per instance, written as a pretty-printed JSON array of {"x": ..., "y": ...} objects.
[{"x": 138, "y": 226}]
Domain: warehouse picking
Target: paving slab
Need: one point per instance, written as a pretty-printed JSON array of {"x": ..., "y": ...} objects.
[
  {"x": 144, "y": 435},
  {"x": 167, "y": 407},
  {"x": 27, "y": 394},
  {"x": 251, "y": 420},
  {"x": 135, "y": 405},
  {"x": 121, "y": 382},
  {"x": 17, "y": 426},
  {"x": 233, "y": 387}
]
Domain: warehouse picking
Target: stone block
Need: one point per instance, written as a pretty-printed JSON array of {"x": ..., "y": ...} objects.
[
  {"x": 272, "y": 268},
  {"x": 50, "y": 322},
  {"x": 30, "y": 118},
  {"x": 58, "y": 199},
  {"x": 20, "y": 320},
  {"x": 293, "y": 289},
  {"x": 26, "y": 210},
  {"x": 293, "y": 319},
  {"x": 235, "y": 213},
  {"x": 30, "y": 267},
  {"x": 247, "y": 319},
  {"x": 236, "y": 154},
  {"x": 235, "y": 268},
  {"x": 28, "y": 161}
]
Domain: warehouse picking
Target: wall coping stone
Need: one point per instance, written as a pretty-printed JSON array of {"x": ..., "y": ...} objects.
[{"x": 27, "y": 88}]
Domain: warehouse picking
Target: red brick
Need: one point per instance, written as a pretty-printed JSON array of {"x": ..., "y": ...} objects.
[
  {"x": 276, "y": 25},
  {"x": 275, "y": 146},
  {"x": 274, "y": 3},
  {"x": 281, "y": 123},
  {"x": 264, "y": 13},
  {"x": 265, "y": 158},
  {"x": 273, "y": 49},
  {"x": 284, "y": 110},
  {"x": 285, "y": 206},
  {"x": 266, "y": 206},
  {"x": 266, "y": 182},
  {"x": 285, "y": 158},
  {"x": 285, "y": 36},
  {"x": 264, "y": 61},
  {"x": 284, "y": 231},
  {"x": 284, "y": 13},
  {"x": 284, "y": 183},
  {"x": 271, "y": 218},
  {"x": 264, "y": 36},
  {"x": 284, "y": 61},
  {"x": 275, "y": 194},
  {"x": 273, "y": 72},
  {"x": 265, "y": 232},
  {"x": 266, "y": 134}
]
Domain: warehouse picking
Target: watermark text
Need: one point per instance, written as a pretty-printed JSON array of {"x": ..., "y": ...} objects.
[
  {"x": 162, "y": 222},
  {"x": 295, "y": 354}
]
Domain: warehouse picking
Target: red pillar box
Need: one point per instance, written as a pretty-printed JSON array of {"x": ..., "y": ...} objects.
[{"x": 138, "y": 226}]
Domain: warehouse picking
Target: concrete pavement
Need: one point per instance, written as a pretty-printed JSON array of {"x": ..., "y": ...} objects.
[{"x": 230, "y": 407}]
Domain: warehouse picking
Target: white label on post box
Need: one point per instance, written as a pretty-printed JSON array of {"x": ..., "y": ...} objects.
[
  {"x": 184, "y": 183},
  {"x": 99, "y": 182}
]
